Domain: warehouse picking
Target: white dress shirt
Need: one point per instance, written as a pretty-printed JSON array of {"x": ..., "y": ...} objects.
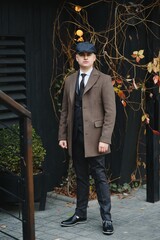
[{"x": 86, "y": 77}]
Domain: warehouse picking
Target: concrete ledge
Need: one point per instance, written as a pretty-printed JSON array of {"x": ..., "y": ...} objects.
[
  {"x": 61, "y": 197},
  {"x": 67, "y": 199}
]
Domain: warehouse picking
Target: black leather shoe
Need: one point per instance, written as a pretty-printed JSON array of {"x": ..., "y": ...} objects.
[
  {"x": 73, "y": 221},
  {"x": 108, "y": 227}
]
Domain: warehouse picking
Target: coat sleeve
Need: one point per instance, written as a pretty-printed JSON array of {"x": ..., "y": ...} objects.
[
  {"x": 109, "y": 105},
  {"x": 62, "y": 133}
]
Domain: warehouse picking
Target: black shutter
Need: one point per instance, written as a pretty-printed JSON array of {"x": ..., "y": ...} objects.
[{"x": 12, "y": 74}]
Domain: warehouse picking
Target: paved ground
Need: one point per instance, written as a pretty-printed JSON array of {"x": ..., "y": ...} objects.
[{"x": 133, "y": 218}]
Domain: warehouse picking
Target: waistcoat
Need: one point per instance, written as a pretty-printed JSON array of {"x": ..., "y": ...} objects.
[{"x": 78, "y": 116}]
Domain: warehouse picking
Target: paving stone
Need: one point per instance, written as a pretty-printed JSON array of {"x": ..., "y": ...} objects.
[{"x": 133, "y": 219}]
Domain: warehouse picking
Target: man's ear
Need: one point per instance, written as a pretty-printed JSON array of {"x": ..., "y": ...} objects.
[{"x": 76, "y": 58}]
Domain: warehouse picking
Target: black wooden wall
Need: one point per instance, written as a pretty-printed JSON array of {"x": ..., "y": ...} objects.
[
  {"x": 34, "y": 23},
  {"x": 125, "y": 148}
]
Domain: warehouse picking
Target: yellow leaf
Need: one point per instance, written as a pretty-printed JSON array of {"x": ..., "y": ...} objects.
[
  {"x": 78, "y": 8},
  {"x": 116, "y": 89},
  {"x": 156, "y": 61},
  {"x": 141, "y": 56},
  {"x": 80, "y": 39},
  {"x": 143, "y": 118},
  {"x": 135, "y": 52},
  {"x": 156, "y": 65},
  {"x": 144, "y": 165},
  {"x": 141, "y": 52},
  {"x": 150, "y": 67},
  {"x": 138, "y": 55},
  {"x": 79, "y": 33}
]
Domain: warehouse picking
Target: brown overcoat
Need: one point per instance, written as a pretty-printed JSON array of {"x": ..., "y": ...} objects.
[{"x": 99, "y": 111}]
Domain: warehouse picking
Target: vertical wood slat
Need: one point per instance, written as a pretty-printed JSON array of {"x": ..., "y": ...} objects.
[
  {"x": 153, "y": 156},
  {"x": 27, "y": 170},
  {"x": 152, "y": 162}
]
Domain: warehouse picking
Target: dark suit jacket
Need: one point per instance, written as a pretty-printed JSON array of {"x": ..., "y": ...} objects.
[{"x": 99, "y": 111}]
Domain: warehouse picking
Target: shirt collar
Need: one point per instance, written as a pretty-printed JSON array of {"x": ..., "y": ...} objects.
[{"x": 87, "y": 73}]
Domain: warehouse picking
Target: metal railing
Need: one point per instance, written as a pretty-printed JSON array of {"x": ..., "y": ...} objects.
[{"x": 28, "y": 225}]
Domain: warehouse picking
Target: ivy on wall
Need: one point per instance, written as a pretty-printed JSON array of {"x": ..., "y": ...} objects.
[{"x": 121, "y": 53}]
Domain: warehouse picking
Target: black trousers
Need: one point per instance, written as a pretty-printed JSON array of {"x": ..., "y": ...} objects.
[{"x": 83, "y": 168}]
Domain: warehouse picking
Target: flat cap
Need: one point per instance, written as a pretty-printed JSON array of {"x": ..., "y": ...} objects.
[{"x": 85, "y": 47}]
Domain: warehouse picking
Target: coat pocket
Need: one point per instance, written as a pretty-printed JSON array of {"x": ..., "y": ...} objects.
[{"x": 98, "y": 123}]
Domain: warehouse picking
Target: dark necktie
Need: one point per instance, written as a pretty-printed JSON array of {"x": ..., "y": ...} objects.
[{"x": 81, "y": 89}]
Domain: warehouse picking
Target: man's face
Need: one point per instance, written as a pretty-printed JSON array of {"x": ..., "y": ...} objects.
[{"x": 85, "y": 60}]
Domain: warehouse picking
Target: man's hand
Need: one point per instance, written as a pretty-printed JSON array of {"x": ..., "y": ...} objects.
[
  {"x": 103, "y": 147},
  {"x": 63, "y": 144}
]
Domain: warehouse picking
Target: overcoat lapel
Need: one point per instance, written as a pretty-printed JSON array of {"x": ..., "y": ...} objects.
[
  {"x": 73, "y": 86},
  {"x": 92, "y": 80},
  {"x": 77, "y": 83}
]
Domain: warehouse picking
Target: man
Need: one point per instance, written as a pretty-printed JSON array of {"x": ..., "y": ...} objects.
[{"x": 85, "y": 129}]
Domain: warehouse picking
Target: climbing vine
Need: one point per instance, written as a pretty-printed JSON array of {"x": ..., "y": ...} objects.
[{"x": 131, "y": 71}]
